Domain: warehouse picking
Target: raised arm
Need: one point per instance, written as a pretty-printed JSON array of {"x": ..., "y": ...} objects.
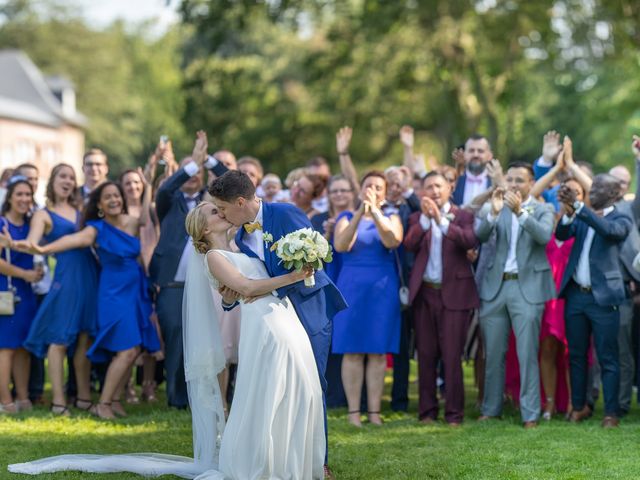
[
  {"x": 544, "y": 182},
  {"x": 228, "y": 275},
  {"x": 343, "y": 141},
  {"x": 39, "y": 226},
  {"x": 571, "y": 166},
  {"x": 346, "y": 231},
  {"x": 616, "y": 229},
  {"x": 84, "y": 238}
]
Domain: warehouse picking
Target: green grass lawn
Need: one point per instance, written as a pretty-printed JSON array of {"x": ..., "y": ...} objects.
[{"x": 401, "y": 449}]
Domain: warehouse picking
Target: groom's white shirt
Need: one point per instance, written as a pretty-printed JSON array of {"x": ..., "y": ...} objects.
[{"x": 254, "y": 240}]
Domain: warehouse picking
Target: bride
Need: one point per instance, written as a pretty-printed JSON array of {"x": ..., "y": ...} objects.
[{"x": 275, "y": 428}]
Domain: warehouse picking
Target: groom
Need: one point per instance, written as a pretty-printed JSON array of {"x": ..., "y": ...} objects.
[{"x": 234, "y": 195}]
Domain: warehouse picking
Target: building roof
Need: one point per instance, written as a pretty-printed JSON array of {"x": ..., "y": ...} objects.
[{"x": 25, "y": 95}]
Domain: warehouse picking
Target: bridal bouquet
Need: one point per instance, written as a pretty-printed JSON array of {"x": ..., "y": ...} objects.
[{"x": 304, "y": 247}]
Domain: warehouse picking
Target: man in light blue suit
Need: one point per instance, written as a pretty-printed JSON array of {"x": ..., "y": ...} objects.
[{"x": 234, "y": 195}]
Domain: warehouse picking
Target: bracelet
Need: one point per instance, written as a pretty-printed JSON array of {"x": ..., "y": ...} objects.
[{"x": 343, "y": 153}]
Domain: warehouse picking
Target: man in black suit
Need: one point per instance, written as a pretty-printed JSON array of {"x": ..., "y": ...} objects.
[
  {"x": 593, "y": 288},
  {"x": 179, "y": 194}
]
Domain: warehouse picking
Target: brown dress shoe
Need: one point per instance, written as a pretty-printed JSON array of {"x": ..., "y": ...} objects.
[
  {"x": 529, "y": 425},
  {"x": 610, "y": 422},
  {"x": 580, "y": 415}
]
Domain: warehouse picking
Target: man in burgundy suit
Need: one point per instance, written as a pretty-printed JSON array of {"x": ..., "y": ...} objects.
[{"x": 443, "y": 292}]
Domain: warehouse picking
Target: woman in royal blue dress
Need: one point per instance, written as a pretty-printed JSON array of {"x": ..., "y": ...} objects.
[
  {"x": 67, "y": 318},
  {"x": 124, "y": 307},
  {"x": 14, "y": 359},
  {"x": 369, "y": 282},
  {"x": 342, "y": 195}
]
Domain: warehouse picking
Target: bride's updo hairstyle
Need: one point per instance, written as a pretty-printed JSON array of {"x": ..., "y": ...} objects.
[{"x": 195, "y": 224}]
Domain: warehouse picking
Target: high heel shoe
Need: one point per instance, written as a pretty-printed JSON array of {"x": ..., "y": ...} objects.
[
  {"x": 60, "y": 410},
  {"x": 549, "y": 409},
  {"x": 130, "y": 394},
  {"x": 102, "y": 410},
  {"x": 377, "y": 421},
  {"x": 354, "y": 418},
  {"x": 9, "y": 408},
  {"x": 117, "y": 408},
  {"x": 149, "y": 391}
]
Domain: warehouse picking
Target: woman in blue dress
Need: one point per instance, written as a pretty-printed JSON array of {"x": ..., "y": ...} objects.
[
  {"x": 67, "y": 318},
  {"x": 342, "y": 195},
  {"x": 369, "y": 282},
  {"x": 14, "y": 359},
  {"x": 124, "y": 307}
]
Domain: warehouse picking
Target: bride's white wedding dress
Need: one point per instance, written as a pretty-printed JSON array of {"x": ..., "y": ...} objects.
[{"x": 275, "y": 429}]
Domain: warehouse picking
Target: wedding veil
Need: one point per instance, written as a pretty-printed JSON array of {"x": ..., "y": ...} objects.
[{"x": 203, "y": 360}]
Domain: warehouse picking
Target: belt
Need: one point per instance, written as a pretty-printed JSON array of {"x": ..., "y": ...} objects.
[
  {"x": 435, "y": 286},
  {"x": 509, "y": 276},
  {"x": 173, "y": 285}
]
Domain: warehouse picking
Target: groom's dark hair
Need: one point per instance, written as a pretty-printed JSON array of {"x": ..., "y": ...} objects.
[{"x": 233, "y": 184}]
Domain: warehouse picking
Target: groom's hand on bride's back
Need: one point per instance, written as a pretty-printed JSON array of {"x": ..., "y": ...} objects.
[{"x": 229, "y": 296}]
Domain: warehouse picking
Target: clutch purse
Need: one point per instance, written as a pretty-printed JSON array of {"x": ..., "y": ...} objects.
[{"x": 8, "y": 297}]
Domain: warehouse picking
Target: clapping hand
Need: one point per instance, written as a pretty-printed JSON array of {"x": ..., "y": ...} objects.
[
  {"x": 551, "y": 146},
  {"x": 458, "y": 159},
  {"x": 328, "y": 225},
  {"x": 513, "y": 200},
  {"x": 567, "y": 196},
  {"x": 199, "y": 154},
  {"x": 430, "y": 209},
  {"x": 370, "y": 201},
  {"x": 567, "y": 153},
  {"x": 497, "y": 201},
  {"x": 494, "y": 170},
  {"x": 343, "y": 140}
]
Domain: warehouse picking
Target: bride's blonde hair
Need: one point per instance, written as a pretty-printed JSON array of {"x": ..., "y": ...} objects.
[{"x": 195, "y": 224}]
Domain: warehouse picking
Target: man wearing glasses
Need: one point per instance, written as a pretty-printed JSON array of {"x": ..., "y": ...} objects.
[{"x": 95, "y": 168}]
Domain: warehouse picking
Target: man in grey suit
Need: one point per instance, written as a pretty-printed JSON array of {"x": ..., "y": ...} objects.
[
  {"x": 515, "y": 288},
  {"x": 179, "y": 194}
]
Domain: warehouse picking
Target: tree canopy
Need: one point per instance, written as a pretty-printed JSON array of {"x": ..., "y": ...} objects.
[{"x": 276, "y": 79}]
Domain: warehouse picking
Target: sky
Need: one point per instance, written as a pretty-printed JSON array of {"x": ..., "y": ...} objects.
[{"x": 102, "y": 13}]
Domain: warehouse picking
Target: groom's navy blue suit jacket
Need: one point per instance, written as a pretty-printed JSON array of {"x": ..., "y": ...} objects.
[{"x": 316, "y": 305}]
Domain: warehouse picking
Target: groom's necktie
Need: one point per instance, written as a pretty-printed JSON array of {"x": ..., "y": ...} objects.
[{"x": 252, "y": 227}]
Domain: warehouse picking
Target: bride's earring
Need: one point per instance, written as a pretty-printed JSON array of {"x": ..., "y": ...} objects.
[{"x": 100, "y": 213}]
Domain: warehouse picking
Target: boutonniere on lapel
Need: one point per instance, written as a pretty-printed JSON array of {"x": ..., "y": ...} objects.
[
  {"x": 267, "y": 238},
  {"x": 529, "y": 209},
  {"x": 450, "y": 216}
]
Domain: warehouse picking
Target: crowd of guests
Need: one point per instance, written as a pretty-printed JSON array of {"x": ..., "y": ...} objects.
[{"x": 529, "y": 270}]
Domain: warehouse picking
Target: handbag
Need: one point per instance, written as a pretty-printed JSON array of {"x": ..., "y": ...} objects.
[
  {"x": 8, "y": 297},
  {"x": 403, "y": 291}
]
